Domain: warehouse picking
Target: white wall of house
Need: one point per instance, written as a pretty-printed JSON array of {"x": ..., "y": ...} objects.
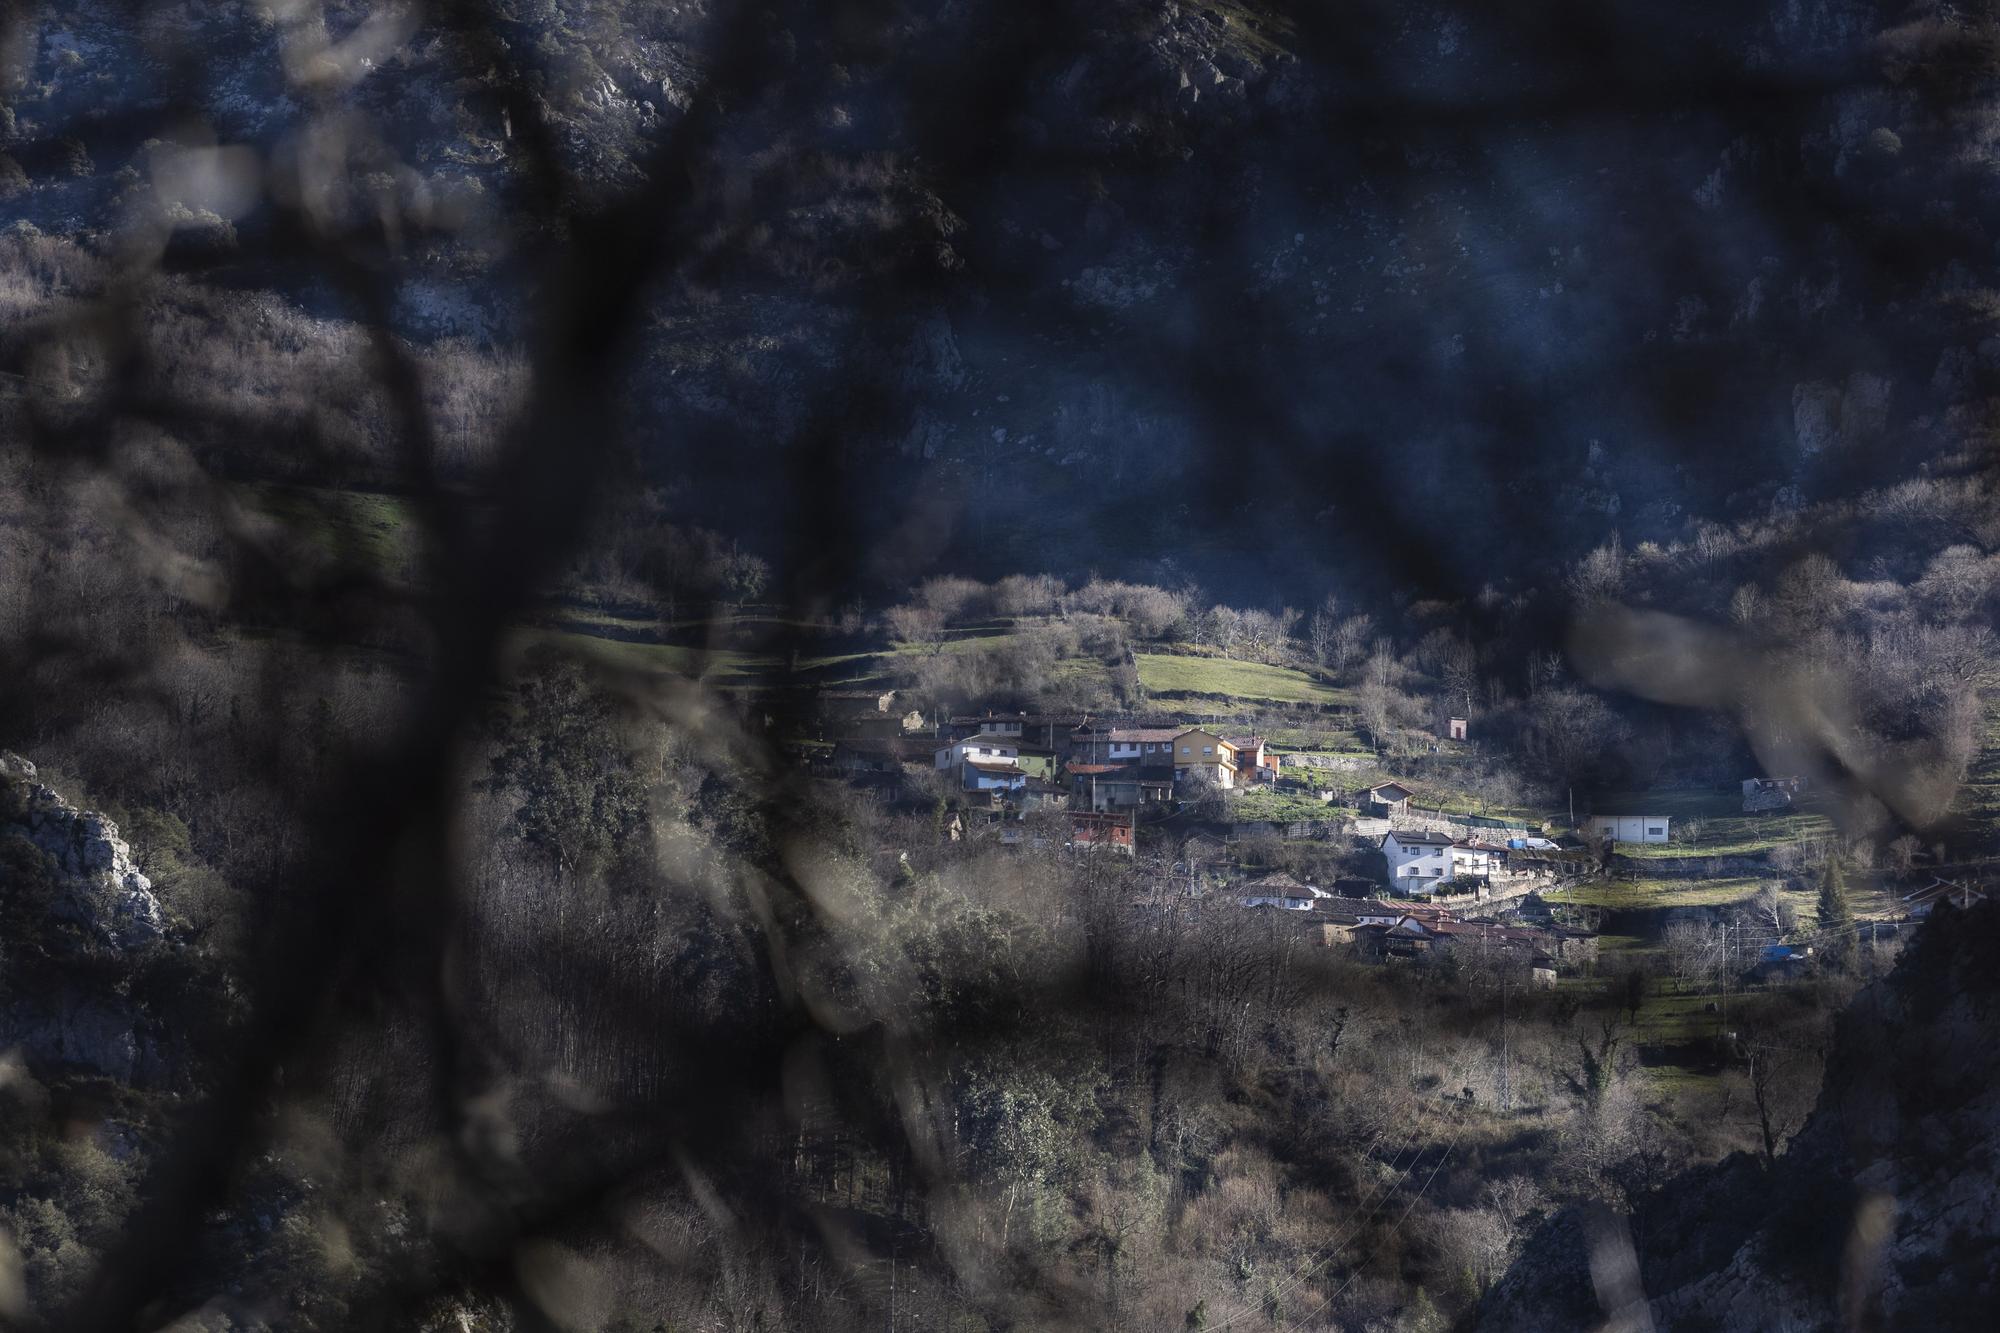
[
  {"x": 1630, "y": 828},
  {"x": 1415, "y": 861},
  {"x": 1301, "y": 902},
  {"x": 982, "y": 748},
  {"x": 1418, "y": 863}
]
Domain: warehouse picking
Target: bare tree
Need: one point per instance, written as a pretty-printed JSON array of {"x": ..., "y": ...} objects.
[
  {"x": 1321, "y": 630},
  {"x": 923, "y": 627},
  {"x": 1350, "y": 640}
]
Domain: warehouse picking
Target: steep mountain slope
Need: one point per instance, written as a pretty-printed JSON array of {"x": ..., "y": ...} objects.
[{"x": 1119, "y": 284}]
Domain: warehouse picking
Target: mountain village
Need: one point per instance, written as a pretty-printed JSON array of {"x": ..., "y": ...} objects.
[
  {"x": 1191, "y": 799},
  {"x": 1169, "y": 791}
]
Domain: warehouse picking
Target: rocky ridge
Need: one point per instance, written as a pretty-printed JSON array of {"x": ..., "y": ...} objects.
[
  {"x": 81, "y": 923},
  {"x": 97, "y": 886}
]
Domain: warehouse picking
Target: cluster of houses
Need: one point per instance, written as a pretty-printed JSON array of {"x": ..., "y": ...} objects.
[
  {"x": 1102, "y": 774},
  {"x": 1013, "y": 763},
  {"x": 1109, "y": 767},
  {"x": 1099, "y": 776},
  {"x": 1385, "y": 931}
]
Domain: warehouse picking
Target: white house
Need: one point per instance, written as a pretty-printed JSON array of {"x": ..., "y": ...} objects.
[
  {"x": 1151, "y": 746},
  {"x": 1281, "y": 891},
  {"x": 1419, "y": 862},
  {"x": 982, "y": 776},
  {"x": 985, "y": 748},
  {"x": 1630, "y": 828}
]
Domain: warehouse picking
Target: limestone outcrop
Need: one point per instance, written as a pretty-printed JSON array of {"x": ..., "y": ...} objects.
[
  {"x": 78, "y": 924},
  {"x": 95, "y": 884}
]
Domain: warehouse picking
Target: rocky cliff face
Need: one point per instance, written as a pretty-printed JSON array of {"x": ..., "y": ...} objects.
[
  {"x": 97, "y": 888},
  {"x": 1884, "y": 1212},
  {"x": 80, "y": 920}
]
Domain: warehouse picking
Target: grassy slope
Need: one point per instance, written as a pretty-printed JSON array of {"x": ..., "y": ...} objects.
[
  {"x": 726, "y": 669},
  {"x": 1165, "y": 675},
  {"x": 1264, "y": 803},
  {"x": 379, "y": 532},
  {"x": 1644, "y": 894},
  {"x": 366, "y": 528}
]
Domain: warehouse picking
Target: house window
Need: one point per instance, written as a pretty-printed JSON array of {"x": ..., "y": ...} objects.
[
  {"x": 1185, "y": 750},
  {"x": 1208, "y": 749},
  {"x": 1656, "y": 831}
]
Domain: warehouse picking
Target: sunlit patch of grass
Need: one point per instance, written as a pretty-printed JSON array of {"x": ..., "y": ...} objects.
[
  {"x": 723, "y": 668},
  {"x": 366, "y": 528},
  {"x": 1672, "y": 1017},
  {"x": 1632, "y": 894},
  {"x": 1318, "y": 740},
  {"x": 1168, "y": 674},
  {"x": 977, "y": 640},
  {"x": 595, "y": 618},
  {"x": 1285, "y": 807},
  {"x": 1678, "y": 1081}
]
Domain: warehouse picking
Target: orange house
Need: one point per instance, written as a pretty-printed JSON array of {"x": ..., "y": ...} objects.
[
  {"x": 1198, "y": 750},
  {"x": 1093, "y": 831}
]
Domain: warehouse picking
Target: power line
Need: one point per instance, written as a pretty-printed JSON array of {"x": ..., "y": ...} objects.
[
  {"x": 1327, "y": 1254},
  {"x": 1397, "y": 1226}
]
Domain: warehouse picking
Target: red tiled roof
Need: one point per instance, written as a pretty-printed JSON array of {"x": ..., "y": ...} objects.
[
  {"x": 1421, "y": 911},
  {"x": 1484, "y": 930}
]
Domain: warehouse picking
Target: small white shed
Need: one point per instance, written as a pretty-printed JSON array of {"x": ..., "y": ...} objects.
[{"x": 1630, "y": 828}]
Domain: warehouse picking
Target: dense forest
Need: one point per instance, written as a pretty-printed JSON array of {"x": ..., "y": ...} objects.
[{"x": 511, "y": 511}]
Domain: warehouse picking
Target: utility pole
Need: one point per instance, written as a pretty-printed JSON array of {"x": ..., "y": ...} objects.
[{"x": 1725, "y": 977}]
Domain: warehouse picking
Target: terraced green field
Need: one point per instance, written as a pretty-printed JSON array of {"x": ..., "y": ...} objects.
[
  {"x": 1286, "y": 806},
  {"x": 1165, "y": 675},
  {"x": 1622, "y": 895},
  {"x": 725, "y": 669}
]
